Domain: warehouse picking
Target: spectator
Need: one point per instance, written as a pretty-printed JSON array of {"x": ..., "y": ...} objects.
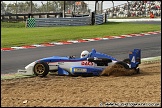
[
  {"x": 151, "y": 15},
  {"x": 137, "y": 9}
]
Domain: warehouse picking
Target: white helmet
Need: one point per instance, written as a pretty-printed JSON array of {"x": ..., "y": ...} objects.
[{"x": 84, "y": 54}]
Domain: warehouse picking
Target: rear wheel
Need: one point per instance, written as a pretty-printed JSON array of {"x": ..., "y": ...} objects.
[
  {"x": 138, "y": 70},
  {"x": 41, "y": 69},
  {"x": 127, "y": 60},
  {"x": 87, "y": 75},
  {"x": 122, "y": 64}
]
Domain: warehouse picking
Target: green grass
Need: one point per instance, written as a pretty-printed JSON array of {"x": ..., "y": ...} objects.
[
  {"x": 18, "y": 35},
  {"x": 13, "y": 25}
]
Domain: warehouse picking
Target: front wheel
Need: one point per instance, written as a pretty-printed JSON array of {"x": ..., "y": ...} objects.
[{"x": 41, "y": 69}]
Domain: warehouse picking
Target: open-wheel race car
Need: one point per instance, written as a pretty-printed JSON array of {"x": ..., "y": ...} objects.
[{"x": 90, "y": 63}]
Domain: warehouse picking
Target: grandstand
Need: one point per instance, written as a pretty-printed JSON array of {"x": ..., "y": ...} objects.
[
  {"x": 131, "y": 9},
  {"x": 135, "y": 9}
]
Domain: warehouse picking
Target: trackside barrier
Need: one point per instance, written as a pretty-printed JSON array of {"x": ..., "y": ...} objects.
[
  {"x": 67, "y": 21},
  {"x": 50, "y": 22},
  {"x": 30, "y": 22},
  {"x": 99, "y": 18},
  {"x": 132, "y": 20}
]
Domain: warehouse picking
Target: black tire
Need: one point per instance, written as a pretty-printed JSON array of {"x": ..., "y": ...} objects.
[
  {"x": 41, "y": 69},
  {"x": 137, "y": 70},
  {"x": 127, "y": 60},
  {"x": 87, "y": 75},
  {"x": 53, "y": 71},
  {"x": 123, "y": 64}
]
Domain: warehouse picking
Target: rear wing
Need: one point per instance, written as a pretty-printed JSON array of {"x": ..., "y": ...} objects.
[{"x": 135, "y": 57}]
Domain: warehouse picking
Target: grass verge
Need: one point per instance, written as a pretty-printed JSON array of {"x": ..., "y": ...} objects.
[{"x": 17, "y": 35}]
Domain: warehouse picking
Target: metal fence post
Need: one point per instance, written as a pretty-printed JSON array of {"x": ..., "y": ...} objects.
[
  {"x": 93, "y": 18},
  {"x": 105, "y": 17}
]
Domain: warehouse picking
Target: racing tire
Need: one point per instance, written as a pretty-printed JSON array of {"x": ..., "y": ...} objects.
[
  {"x": 87, "y": 75},
  {"x": 137, "y": 70},
  {"x": 123, "y": 64},
  {"x": 127, "y": 60},
  {"x": 41, "y": 69},
  {"x": 53, "y": 71}
]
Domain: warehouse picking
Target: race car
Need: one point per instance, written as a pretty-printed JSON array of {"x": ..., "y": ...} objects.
[{"x": 89, "y": 64}]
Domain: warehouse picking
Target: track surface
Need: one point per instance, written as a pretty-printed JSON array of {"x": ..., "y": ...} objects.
[{"x": 150, "y": 45}]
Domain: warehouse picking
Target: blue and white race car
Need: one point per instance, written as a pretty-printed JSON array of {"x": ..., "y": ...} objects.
[{"x": 90, "y": 63}]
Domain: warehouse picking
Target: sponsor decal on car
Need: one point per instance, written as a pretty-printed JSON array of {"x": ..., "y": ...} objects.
[
  {"x": 86, "y": 63},
  {"x": 80, "y": 70}
]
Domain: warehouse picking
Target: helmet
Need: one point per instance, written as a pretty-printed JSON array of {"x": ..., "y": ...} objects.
[{"x": 84, "y": 54}]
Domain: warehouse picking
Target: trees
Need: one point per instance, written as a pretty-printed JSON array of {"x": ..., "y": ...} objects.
[
  {"x": 3, "y": 7},
  {"x": 49, "y": 6}
]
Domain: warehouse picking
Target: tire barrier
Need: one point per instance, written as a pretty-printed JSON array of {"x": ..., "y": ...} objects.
[
  {"x": 30, "y": 23},
  {"x": 99, "y": 19},
  {"x": 52, "y": 22}
]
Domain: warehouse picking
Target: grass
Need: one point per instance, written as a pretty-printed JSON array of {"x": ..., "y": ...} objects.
[
  {"x": 13, "y": 25},
  {"x": 17, "y": 35}
]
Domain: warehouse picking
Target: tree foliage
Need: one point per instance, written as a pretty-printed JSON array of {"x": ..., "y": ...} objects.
[{"x": 49, "y": 6}]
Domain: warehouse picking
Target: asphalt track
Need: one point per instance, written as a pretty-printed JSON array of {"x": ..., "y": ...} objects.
[
  {"x": 149, "y": 22},
  {"x": 150, "y": 46}
]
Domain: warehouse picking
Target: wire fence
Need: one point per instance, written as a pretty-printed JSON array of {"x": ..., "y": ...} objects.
[
  {"x": 24, "y": 7},
  {"x": 129, "y": 9}
]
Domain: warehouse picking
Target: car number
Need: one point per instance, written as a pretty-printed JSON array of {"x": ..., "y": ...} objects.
[{"x": 87, "y": 63}]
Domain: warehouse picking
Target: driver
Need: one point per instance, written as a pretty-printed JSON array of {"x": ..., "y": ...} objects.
[{"x": 84, "y": 53}]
